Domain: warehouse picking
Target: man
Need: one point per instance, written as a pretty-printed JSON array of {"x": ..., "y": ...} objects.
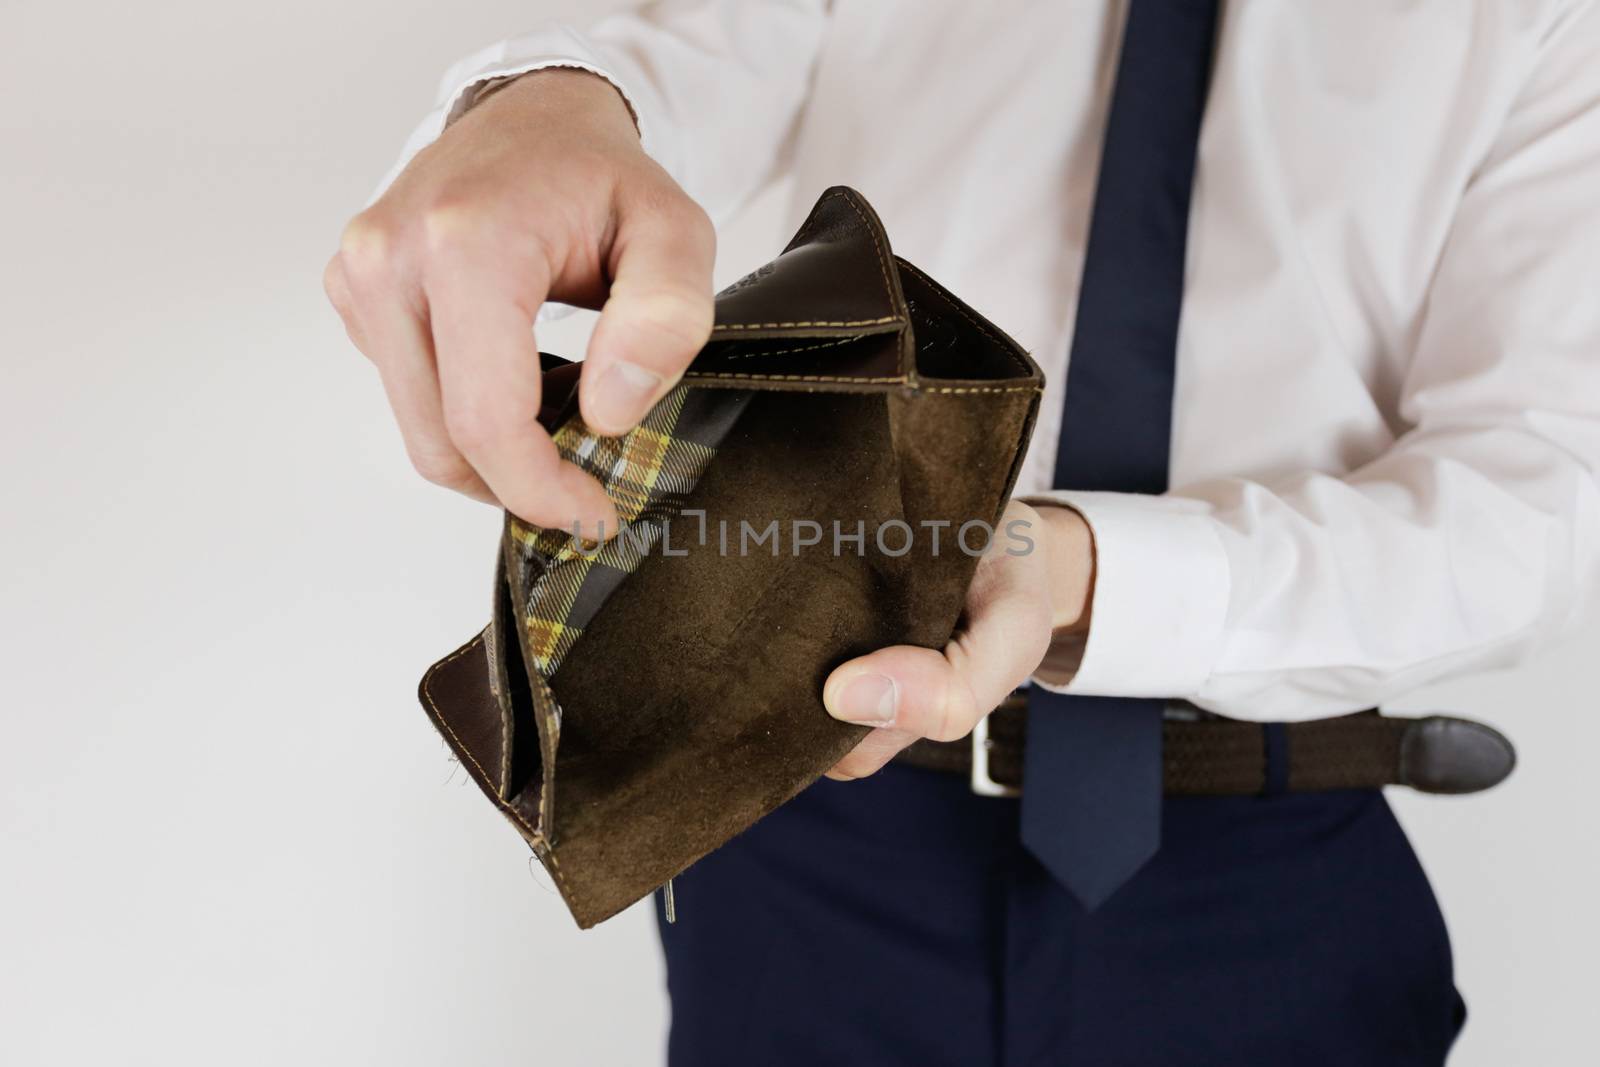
[{"x": 1384, "y": 439}]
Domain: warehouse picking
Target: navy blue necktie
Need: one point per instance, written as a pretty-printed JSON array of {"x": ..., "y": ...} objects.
[{"x": 1091, "y": 803}]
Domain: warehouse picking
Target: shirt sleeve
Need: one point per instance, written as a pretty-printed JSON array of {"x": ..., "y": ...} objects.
[
  {"x": 716, "y": 86},
  {"x": 1474, "y": 540}
]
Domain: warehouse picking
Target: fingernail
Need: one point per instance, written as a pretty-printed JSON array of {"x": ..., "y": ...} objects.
[
  {"x": 870, "y": 700},
  {"x": 623, "y": 393}
]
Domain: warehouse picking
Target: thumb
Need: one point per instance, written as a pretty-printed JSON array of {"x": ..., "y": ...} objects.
[{"x": 942, "y": 694}]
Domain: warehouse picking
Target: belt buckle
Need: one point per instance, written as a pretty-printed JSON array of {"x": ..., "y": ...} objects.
[{"x": 982, "y": 782}]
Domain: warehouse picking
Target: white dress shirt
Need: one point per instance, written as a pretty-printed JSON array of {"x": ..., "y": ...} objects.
[{"x": 1387, "y": 423}]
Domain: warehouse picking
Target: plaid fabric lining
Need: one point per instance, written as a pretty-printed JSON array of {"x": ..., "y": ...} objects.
[{"x": 557, "y": 583}]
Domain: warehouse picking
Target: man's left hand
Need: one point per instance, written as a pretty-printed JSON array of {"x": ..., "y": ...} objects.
[{"x": 1015, "y": 606}]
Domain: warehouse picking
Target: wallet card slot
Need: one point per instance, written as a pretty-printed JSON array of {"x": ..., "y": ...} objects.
[{"x": 524, "y": 762}]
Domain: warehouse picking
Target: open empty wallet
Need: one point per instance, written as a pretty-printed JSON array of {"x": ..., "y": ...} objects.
[{"x": 817, "y": 486}]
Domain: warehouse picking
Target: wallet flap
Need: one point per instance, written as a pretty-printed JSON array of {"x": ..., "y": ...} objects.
[{"x": 836, "y": 283}]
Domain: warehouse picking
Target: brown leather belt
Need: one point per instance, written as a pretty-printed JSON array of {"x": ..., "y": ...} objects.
[{"x": 1207, "y": 755}]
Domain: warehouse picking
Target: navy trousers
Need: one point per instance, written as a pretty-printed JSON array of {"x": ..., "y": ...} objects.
[{"x": 897, "y": 920}]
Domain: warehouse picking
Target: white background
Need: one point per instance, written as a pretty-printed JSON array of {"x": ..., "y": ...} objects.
[{"x": 229, "y": 834}]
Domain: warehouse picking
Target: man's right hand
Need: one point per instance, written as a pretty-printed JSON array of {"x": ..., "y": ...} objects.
[{"x": 541, "y": 192}]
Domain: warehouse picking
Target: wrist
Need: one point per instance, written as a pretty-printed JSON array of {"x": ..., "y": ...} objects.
[
  {"x": 575, "y": 93},
  {"x": 1071, "y": 567}
]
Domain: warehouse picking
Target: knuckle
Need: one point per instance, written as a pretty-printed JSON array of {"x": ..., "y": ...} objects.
[
  {"x": 468, "y": 428},
  {"x": 655, "y": 193},
  {"x": 664, "y": 200},
  {"x": 950, "y": 728},
  {"x": 958, "y": 713},
  {"x": 692, "y": 218},
  {"x": 479, "y": 427},
  {"x": 682, "y": 314},
  {"x": 535, "y": 501},
  {"x": 695, "y": 225},
  {"x": 453, "y": 222},
  {"x": 366, "y": 247},
  {"x": 336, "y": 286},
  {"x": 443, "y": 469}
]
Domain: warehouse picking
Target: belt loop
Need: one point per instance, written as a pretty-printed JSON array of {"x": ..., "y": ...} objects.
[{"x": 1275, "y": 743}]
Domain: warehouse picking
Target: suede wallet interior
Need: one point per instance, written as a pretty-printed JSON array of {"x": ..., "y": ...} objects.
[{"x": 796, "y": 500}]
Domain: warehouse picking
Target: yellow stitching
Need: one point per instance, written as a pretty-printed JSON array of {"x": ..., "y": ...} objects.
[
  {"x": 427, "y": 691},
  {"x": 883, "y": 263},
  {"x": 547, "y": 777},
  {"x": 888, "y": 290},
  {"x": 538, "y": 842},
  {"x": 505, "y": 735},
  {"x": 908, "y": 362},
  {"x": 693, "y": 375},
  {"x": 561, "y": 883},
  {"x": 798, "y": 348},
  {"x": 804, "y": 322},
  {"x": 492, "y": 654},
  {"x": 810, "y": 223},
  {"x": 984, "y": 389}
]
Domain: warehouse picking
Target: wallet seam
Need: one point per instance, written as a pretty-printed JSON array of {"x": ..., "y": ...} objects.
[
  {"x": 692, "y": 375},
  {"x": 891, "y": 291},
  {"x": 798, "y": 348},
  {"x": 536, "y": 840},
  {"x": 888, "y": 292},
  {"x": 877, "y": 247},
  {"x": 427, "y": 691},
  {"x": 882, "y": 320},
  {"x": 1032, "y": 387}
]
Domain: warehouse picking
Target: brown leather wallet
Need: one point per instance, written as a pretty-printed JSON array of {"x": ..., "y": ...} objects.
[{"x": 818, "y": 486}]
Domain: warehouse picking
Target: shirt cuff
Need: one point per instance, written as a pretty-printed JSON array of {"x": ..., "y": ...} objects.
[
  {"x": 1160, "y": 597},
  {"x": 464, "y": 96},
  {"x": 464, "y": 87},
  {"x": 461, "y": 89}
]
